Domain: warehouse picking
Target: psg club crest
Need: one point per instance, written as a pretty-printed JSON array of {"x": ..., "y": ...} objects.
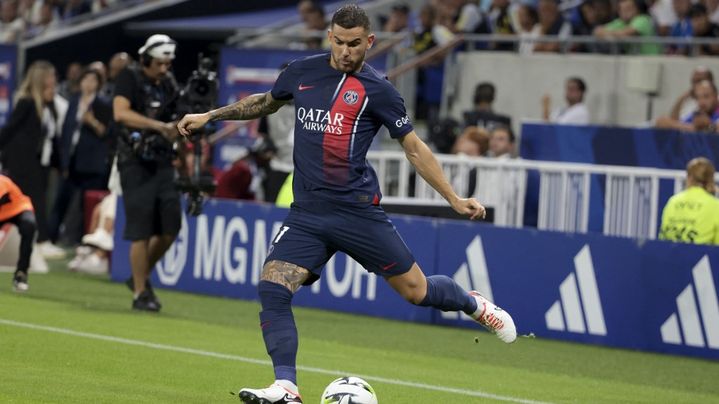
[{"x": 350, "y": 97}]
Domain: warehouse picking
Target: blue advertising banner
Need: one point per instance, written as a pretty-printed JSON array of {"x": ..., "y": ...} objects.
[
  {"x": 645, "y": 147},
  {"x": 649, "y": 295},
  {"x": 8, "y": 68},
  {"x": 640, "y": 147}
]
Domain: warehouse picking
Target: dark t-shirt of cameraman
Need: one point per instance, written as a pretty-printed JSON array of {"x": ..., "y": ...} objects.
[{"x": 153, "y": 99}]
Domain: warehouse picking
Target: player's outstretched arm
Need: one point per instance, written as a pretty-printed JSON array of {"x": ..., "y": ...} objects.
[
  {"x": 252, "y": 107},
  {"x": 428, "y": 167}
]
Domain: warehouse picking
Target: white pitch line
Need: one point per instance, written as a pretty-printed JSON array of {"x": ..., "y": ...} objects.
[{"x": 173, "y": 348}]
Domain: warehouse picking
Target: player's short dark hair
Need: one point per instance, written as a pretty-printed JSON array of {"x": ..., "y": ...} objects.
[
  {"x": 351, "y": 16},
  {"x": 579, "y": 82},
  {"x": 484, "y": 92},
  {"x": 507, "y": 129}
]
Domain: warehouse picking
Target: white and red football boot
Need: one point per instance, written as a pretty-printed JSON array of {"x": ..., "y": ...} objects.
[{"x": 494, "y": 319}]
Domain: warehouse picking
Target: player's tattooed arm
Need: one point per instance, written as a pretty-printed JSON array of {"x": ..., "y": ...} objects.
[
  {"x": 283, "y": 273},
  {"x": 252, "y": 107}
]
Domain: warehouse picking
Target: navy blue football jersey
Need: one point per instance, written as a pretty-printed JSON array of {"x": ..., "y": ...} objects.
[{"x": 336, "y": 117}]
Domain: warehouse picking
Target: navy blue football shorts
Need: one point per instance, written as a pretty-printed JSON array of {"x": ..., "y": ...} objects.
[{"x": 314, "y": 231}]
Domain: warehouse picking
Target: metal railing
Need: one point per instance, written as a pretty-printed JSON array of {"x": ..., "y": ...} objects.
[{"x": 630, "y": 194}]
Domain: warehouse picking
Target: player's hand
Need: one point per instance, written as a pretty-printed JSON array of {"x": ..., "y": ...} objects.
[
  {"x": 469, "y": 207},
  {"x": 192, "y": 122}
]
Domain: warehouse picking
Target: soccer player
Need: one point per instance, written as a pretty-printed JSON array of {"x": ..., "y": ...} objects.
[
  {"x": 340, "y": 104},
  {"x": 692, "y": 216}
]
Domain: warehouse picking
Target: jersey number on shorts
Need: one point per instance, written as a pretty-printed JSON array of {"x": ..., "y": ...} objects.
[{"x": 282, "y": 232}]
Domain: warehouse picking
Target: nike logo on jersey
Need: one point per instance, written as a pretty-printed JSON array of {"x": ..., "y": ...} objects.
[
  {"x": 303, "y": 88},
  {"x": 390, "y": 266}
]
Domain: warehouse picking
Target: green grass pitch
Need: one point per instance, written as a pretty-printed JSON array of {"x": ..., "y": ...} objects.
[{"x": 74, "y": 339}]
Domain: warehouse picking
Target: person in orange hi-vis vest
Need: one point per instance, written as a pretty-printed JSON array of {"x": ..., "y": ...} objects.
[{"x": 16, "y": 208}]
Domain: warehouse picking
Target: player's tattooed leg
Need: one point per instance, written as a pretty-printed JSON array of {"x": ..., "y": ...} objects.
[{"x": 288, "y": 275}]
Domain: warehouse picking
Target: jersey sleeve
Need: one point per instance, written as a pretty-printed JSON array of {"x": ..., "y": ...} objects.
[
  {"x": 125, "y": 84},
  {"x": 286, "y": 82},
  {"x": 389, "y": 108}
]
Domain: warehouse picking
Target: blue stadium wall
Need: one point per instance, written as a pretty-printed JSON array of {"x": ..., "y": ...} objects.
[{"x": 647, "y": 295}]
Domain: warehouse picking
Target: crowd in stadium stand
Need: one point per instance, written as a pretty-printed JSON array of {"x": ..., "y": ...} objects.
[
  {"x": 22, "y": 19},
  {"x": 527, "y": 20}
]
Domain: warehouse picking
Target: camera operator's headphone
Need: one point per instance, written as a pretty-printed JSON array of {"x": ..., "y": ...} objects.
[{"x": 160, "y": 45}]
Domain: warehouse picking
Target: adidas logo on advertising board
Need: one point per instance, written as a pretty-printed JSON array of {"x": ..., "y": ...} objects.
[
  {"x": 472, "y": 275},
  {"x": 569, "y": 313},
  {"x": 688, "y": 314}
]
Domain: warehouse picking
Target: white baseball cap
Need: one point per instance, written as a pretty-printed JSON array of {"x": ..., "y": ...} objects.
[{"x": 159, "y": 46}]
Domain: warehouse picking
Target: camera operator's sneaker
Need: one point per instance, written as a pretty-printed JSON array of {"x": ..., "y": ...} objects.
[
  {"x": 130, "y": 283},
  {"x": 494, "y": 318},
  {"x": 146, "y": 302},
  {"x": 274, "y": 394},
  {"x": 19, "y": 282}
]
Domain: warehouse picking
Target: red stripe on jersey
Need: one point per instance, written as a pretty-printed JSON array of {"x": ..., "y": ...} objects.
[{"x": 336, "y": 147}]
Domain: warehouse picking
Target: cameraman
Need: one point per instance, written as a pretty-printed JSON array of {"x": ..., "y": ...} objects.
[{"x": 143, "y": 108}]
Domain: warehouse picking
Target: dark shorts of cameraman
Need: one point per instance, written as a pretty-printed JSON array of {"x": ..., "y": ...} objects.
[{"x": 152, "y": 204}]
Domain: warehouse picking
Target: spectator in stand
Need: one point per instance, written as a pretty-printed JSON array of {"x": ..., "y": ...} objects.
[
  {"x": 501, "y": 142},
  {"x": 551, "y": 23},
  {"x": 704, "y": 118},
  {"x": 682, "y": 28},
  {"x": 469, "y": 18},
  {"x": 85, "y": 153},
  {"x": 500, "y": 23},
  {"x": 527, "y": 28},
  {"x": 702, "y": 27},
  {"x": 398, "y": 20},
  {"x": 47, "y": 19},
  {"x": 70, "y": 87},
  {"x": 430, "y": 74},
  {"x": 474, "y": 141},
  {"x": 686, "y": 103},
  {"x": 692, "y": 216},
  {"x": 713, "y": 10},
  {"x": 17, "y": 209},
  {"x": 632, "y": 21},
  {"x": 304, "y": 7},
  {"x": 592, "y": 13},
  {"x": 576, "y": 112},
  {"x": 315, "y": 21},
  {"x": 483, "y": 116},
  {"x": 117, "y": 62},
  {"x": 28, "y": 143},
  {"x": 12, "y": 25},
  {"x": 663, "y": 15}
]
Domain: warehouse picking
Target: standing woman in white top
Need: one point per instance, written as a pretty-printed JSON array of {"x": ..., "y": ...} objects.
[{"x": 575, "y": 112}]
